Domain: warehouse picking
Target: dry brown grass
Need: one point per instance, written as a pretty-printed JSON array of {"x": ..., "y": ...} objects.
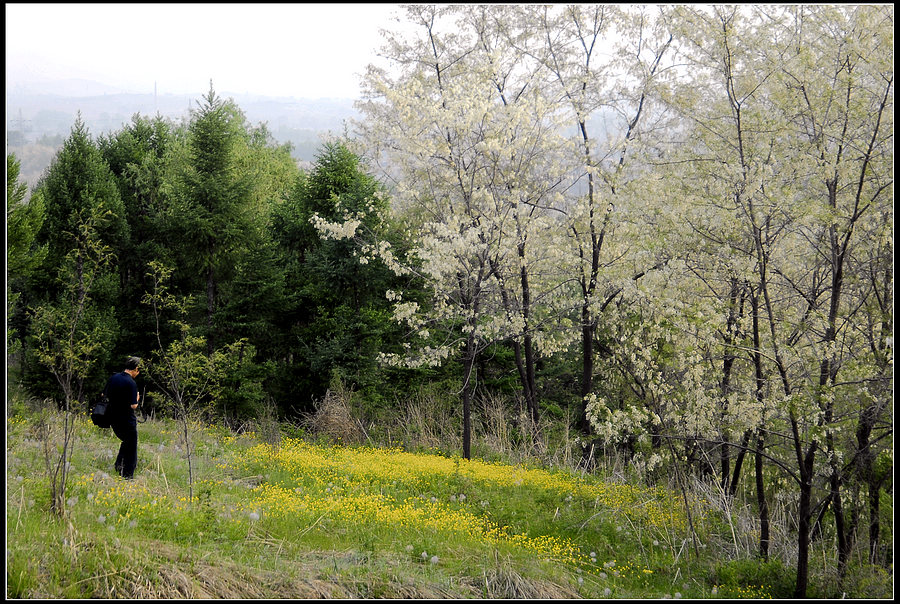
[
  {"x": 334, "y": 419},
  {"x": 208, "y": 578},
  {"x": 505, "y": 583},
  {"x": 313, "y": 575}
]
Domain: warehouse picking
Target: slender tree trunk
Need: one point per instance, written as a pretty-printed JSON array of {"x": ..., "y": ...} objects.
[
  {"x": 827, "y": 373},
  {"x": 734, "y": 312},
  {"x": 866, "y": 471},
  {"x": 760, "y": 377},
  {"x": 739, "y": 463},
  {"x": 587, "y": 367},
  {"x": 761, "y": 501},
  {"x": 874, "y": 523},
  {"x": 805, "y": 464},
  {"x": 804, "y": 513},
  {"x": 588, "y": 322},
  {"x": 529, "y": 384},
  {"x": 468, "y": 365}
]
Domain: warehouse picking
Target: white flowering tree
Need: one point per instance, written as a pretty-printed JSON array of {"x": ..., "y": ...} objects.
[
  {"x": 602, "y": 63},
  {"x": 475, "y": 146},
  {"x": 791, "y": 135}
]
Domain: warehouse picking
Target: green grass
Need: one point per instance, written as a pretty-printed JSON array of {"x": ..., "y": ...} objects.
[{"x": 297, "y": 519}]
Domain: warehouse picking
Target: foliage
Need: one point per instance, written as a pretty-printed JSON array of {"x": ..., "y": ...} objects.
[
  {"x": 336, "y": 306},
  {"x": 139, "y": 157},
  {"x": 23, "y": 254},
  {"x": 192, "y": 380},
  {"x": 84, "y": 222},
  {"x": 739, "y": 579},
  {"x": 69, "y": 337}
]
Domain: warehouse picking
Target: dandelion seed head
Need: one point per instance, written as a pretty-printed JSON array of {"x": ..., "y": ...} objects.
[{"x": 434, "y": 560}]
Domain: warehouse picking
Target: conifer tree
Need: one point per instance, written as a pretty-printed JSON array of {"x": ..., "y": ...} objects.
[
  {"x": 77, "y": 189},
  {"x": 209, "y": 219},
  {"x": 23, "y": 255}
]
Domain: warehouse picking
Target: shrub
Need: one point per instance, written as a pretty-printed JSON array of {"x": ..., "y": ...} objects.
[{"x": 755, "y": 579}]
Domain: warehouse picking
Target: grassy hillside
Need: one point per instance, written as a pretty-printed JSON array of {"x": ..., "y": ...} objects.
[{"x": 284, "y": 517}]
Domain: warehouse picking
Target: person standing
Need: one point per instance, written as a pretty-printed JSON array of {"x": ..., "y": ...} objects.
[{"x": 122, "y": 392}]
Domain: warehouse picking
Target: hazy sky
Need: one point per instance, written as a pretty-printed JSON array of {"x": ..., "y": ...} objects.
[{"x": 301, "y": 50}]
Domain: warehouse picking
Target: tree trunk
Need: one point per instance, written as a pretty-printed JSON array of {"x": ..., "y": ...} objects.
[
  {"x": 761, "y": 501},
  {"x": 760, "y": 376},
  {"x": 530, "y": 394},
  {"x": 588, "y": 324},
  {"x": 804, "y": 509},
  {"x": 736, "y": 310},
  {"x": 874, "y": 523},
  {"x": 587, "y": 367},
  {"x": 803, "y": 540},
  {"x": 866, "y": 471},
  {"x": 738, "y": 464},
  {"x": 837, "y": 509},
  {"x": 529, "y": 377},
  {"x": 468, "y": 366}
]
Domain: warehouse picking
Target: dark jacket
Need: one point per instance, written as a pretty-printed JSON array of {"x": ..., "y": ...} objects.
[{"x": 121, "y": 390}]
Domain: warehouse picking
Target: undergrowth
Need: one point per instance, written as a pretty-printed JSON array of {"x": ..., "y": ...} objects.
[{"x": 304, "y": 518}]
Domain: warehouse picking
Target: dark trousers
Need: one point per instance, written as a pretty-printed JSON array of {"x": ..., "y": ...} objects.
[{"x": 126, "y": 461}]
